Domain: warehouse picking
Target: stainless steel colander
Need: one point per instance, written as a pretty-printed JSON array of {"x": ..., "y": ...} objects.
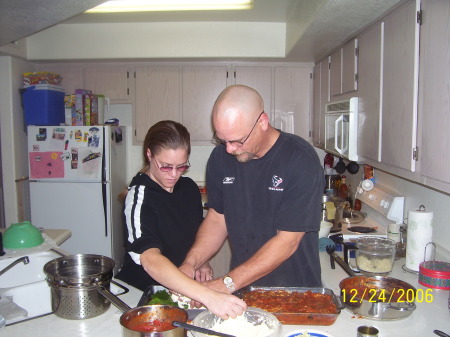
[{"x": 76, "y": 283}]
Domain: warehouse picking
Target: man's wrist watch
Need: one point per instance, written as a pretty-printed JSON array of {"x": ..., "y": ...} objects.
[{"x": 228, "y": 281}]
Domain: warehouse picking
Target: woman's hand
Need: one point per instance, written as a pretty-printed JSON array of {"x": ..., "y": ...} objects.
[
  {"x": 205, "y": 273},
  {"x": 224, "y": 305}
]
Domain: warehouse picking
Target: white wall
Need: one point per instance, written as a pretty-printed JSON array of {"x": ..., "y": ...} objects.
[
  {"x": 14, "y": 141},
  {"x": 158, "y": 40}
]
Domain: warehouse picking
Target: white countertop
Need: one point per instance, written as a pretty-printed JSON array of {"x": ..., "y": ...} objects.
[
  {"x": 426, "y": 318},
  {"x": 105, "y": 325}
]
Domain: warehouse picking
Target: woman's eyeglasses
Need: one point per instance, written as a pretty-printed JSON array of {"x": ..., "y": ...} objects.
[
  {"x": 181, "y": 168},
  {"x": 236, "y": 143}
]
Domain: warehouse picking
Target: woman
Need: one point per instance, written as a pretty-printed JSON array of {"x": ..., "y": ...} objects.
[{"x": 163, "y": 211}]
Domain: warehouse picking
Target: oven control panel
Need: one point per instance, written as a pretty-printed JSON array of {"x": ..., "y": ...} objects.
[{"x": 391, "y": 206}]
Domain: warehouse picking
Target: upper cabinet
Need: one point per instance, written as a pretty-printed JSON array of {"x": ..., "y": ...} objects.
[
  {"x": 434, "y": 152},
  {"x": 321, "y": 97},
  {"x": 399, "y": 87},
  {"x": 201, "y": 86},
  {"x": 72, "y": 75},
  {"x": 316, "y": 118},
  {"x": 158, "y": 97},
  {"x": 369, "y": 131},
  {"x": 258, "y": 78},
  {"x": 344, "y": 69},
  {"x": 292, "y": 100},
  {"x": 110, "y": 81}
]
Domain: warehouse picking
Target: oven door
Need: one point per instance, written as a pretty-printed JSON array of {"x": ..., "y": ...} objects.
[{"x": 337, "y": 128}]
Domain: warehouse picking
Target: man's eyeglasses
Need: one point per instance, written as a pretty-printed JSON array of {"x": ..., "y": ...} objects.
[
  {"x": 237, "y": 143},
  {"x": 181, "y": 168}
]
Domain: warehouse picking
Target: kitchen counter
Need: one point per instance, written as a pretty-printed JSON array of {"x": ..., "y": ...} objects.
[
  {"x": 422, "y": 322},
  {"x": 426, "y": 318},
  {"x": 105, "y": 325}
]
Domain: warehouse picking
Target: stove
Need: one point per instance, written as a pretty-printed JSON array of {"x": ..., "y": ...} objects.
[{"x": 381, "y": 208}]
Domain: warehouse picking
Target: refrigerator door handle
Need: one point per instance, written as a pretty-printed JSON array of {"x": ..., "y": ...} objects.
[
  {"x": 105, "y": 212},
  {"x": 105, "y": 204}
]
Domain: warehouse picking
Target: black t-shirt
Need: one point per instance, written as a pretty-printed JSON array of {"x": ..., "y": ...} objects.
[
  {"x": 156, "y": 218},
  {"x": 280, "y": 191}
]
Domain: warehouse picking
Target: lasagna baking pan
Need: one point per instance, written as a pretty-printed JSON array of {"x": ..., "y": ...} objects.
[{"x": 295, "y": 305}]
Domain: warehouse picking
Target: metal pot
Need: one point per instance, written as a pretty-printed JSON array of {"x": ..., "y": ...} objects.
[
  {"x": 377, "y": 297},
  {"x": 78, "y": 285},
  {"x": 153, "y": 321}
]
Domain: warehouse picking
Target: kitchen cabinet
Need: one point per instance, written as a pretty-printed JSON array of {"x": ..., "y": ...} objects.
[
  {"x": 258, "y": 78},
  {"x": 200, "y": 87},
  {"x": 315, "y": 115},
  {"x": 292, "y": 99},
  {"x": 321, "y": 92},
  {"x": 370, "y": 47},
  {"x": 344, "y": 69},
  {"x": 158, "y": 97},
  {"x": 434, "y": 101},
  {"x": 399, "y": 87},
  {"x": 335, "y": 71},
  {"x": 110, "y": 81},
  {"x": 72, "y": 75}
]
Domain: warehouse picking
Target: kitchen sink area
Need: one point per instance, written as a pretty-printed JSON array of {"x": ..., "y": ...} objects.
[{"x": 23, "y": 288}]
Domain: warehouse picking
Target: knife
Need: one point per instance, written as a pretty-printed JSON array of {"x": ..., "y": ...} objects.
[
  {"x": 440, "y": 333},
  {"x": 330, "y": 251}
]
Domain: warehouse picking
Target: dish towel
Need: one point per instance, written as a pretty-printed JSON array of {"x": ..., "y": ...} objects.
[{"x": 11, "y": 310}]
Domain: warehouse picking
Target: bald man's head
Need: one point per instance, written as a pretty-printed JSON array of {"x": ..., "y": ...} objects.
[{"x": 238, "y": 102}]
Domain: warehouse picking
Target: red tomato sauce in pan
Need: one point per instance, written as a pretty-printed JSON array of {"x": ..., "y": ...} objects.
[{"x": 150, "y": 326}]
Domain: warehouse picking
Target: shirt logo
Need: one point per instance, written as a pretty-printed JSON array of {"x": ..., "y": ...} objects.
[
  {"x": 276, "y": 181},
  {"x": 228, "y": 180}
]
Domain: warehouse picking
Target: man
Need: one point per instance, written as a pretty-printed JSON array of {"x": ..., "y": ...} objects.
[{"x": 264, "y": 193}]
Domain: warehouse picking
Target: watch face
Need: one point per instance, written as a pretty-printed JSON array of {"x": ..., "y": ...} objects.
[{"x": 227, "y": 280}]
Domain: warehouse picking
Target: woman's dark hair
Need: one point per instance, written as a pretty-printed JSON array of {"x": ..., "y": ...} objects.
[
  {"x": 166, "y": 135},
  {"x": 163, "y": 135}
]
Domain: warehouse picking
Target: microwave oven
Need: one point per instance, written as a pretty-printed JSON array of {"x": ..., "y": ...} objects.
[{"x": 341, "y": 128}]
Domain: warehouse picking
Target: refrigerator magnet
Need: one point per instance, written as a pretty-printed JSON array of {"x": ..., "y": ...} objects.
[
  {"x": 94, "y": 139},
  {"x": 42, "y": 135}
]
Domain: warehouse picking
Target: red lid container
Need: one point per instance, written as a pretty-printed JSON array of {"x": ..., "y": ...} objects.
[{"x": 435, "y": 274}]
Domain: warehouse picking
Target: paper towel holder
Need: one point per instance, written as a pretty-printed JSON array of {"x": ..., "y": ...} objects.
[{"x": 421, "y": 209}]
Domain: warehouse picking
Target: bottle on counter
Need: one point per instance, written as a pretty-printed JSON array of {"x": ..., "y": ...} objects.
[
  {"x": 349, "y": 197},
  {"x": 343, "y": 188}
]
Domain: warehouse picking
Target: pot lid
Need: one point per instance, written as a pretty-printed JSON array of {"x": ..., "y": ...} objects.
[
  {"x": 355, "y": 217},
  {"x": 435, "y": 268}
]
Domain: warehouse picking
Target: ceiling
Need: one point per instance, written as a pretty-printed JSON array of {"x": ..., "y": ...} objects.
[{"x": 313, "y": 26}]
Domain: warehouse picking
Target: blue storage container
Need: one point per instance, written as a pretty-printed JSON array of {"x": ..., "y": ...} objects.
[{"x": 43, "y": 104}]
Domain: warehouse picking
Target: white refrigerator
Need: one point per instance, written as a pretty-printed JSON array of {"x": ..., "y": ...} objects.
[{"x": 76, "y": 175}]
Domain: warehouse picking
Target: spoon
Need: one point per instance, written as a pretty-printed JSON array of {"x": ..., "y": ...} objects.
[{"x": 199, "y": 329}]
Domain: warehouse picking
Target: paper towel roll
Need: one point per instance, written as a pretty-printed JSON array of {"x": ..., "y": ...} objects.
[{"x": 420, "y": 233}]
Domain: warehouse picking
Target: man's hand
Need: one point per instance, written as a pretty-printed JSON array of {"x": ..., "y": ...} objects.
[
  {"x": 205, "y": 273},
  {"x": 188, "y": 269}
]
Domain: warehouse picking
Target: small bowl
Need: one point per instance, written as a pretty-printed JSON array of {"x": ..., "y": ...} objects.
[
  {"x": 22, "y": 235},
  {"x": 325, "y": 228},
  {"x": 252, "y": 315}
]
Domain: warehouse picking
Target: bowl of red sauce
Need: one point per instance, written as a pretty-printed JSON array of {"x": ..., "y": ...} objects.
[{"x": 152, "y": 320}]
